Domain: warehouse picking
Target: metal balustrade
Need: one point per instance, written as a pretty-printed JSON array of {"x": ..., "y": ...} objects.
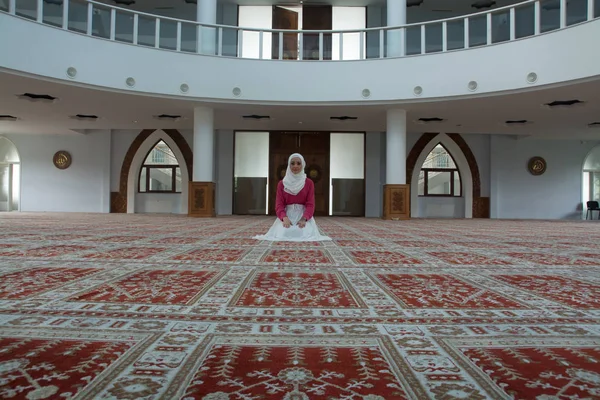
[{"x": 527, "y": 19}]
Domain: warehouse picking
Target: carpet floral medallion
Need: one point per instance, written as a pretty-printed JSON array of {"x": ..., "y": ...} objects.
[{"x": 168, "y": 307}]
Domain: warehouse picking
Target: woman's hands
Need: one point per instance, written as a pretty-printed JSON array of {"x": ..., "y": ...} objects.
[{"x": 286, "y": 222}]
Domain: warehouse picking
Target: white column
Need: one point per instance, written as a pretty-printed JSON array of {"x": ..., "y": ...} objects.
[
  {"x": 206, "y": 13},
  {"x": 204, "y": 139},
  {"x": 396, "y": 15},
  {"x": 396, "y": 147}
]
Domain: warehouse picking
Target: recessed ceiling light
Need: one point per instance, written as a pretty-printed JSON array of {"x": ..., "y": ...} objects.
[
  {"x": 517, "y": 122},
  {"x": 344, "y": 118},
  {"x": 564, "y": 103},
  {"x": 37, "y": 97},
  {"x": 8, "y": 118},
  {"x": 483, "y": 4},
  {"x": 254, "y": 116},
  {"x": 429, "y": 120},
  {"x": 168, "y": 117},
  {"x": 85, "y": 117}
]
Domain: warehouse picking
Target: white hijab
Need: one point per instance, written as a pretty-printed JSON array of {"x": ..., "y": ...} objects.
[{"x": 293, "y": 183}]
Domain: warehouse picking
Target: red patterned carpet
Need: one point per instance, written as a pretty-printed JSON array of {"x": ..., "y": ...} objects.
[{"x": 167, "y": 307}]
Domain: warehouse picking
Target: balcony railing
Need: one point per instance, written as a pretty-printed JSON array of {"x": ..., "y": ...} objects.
[{"x": 527, "y": 19}]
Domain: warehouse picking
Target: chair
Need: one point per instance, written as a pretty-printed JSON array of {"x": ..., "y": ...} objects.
[{"x": 591, "y": 207}]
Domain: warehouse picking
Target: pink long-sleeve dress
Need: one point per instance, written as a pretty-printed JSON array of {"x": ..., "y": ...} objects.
[
  {"x": 305, "y": 197},
  {"x": 295, "y": 207}
]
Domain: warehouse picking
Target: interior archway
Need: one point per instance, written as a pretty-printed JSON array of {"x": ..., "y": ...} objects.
[
  {"x": 461, "y": 162},
  {"x": 123, "y": 201},
  {"x": 10, "y": 176},
  {"x": 591, "y": 179}
]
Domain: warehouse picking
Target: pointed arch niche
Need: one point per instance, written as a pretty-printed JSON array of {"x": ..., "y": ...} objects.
[
  {"x": 470, "y": 204},
  {"x": 128, "y": 200},
  {"x": 591, "y": 179}
]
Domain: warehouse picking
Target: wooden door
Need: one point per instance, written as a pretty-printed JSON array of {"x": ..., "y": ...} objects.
[
  {"x": 285, "y": 19},
  {"x": 317, "y": 18},
  {"x": 314, "y": 147}
]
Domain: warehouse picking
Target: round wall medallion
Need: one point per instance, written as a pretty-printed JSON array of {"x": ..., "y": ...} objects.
[
  {"x": 71, "y": 72},
  {"x": 472, "y": 86},
  {"x": 366, "y": 93},
  {"x": 536, "y": 165},
  {"x": 314, "y": 172},
  {"x": 236, "y": 91},
  {"x": 62, "y": 159},
  {"x": 130, "y": 82},
  {"x": 184, "y": 88},
  {"x": 418, "y": 90}
]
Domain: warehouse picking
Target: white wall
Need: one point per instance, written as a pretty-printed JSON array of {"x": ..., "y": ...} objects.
[
  {"x": 556, "y": 194},
  {"x": 50, "y": 53},
  {"x": 83, "y": 187}
]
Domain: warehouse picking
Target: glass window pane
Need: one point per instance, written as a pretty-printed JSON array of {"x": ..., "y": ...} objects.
[
  {"x": 146, "y": 31},
  {"x": 550, "y": 15},
  {"x": 101, "y": 22},
  {"x": 347, "y": 173},
  {"x": 78, "y": 17},
  {"x": 161, "y": 154},
  {"x": 421, "y": 189},
  {"x": 168, "y": 34},
  {"x": 161, "y": 179},
  {"x": 4, "y": 187},
  {"x": 26, "y": 8},
  {"x": 577, "y": 11},
  {"x": 255, "y": 17},
  {"x": 500, "y": 26},
  {"x": 596, "y": 186},
  {"x": 438, "y": 182},
  {"x": 345, "y": 18},
  {"x": 143, "y": 180},
  {"x": 457, "y": 184},
  {"x": 188, "y": 37},
  {"x": 124, "y": 27},
  {"x": 525, "y": 19},
  {"x": 439, "y": 158},
  {"x": 53, "y": 13},
  {"x": 251, "y": 171},
  {"x": 178, "y": 181},
  {"x": 16, "y": 180},
  {"x": 456, "y": 34},
  {"x": 433, "y": 38}
]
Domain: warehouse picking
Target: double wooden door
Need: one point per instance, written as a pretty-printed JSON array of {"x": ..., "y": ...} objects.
[{"x": 314, "y": 147}]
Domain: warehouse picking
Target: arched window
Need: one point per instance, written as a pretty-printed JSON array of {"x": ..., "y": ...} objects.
[
  {"x": 160, "y": 172},
  {"x": 439, "y": 175}
]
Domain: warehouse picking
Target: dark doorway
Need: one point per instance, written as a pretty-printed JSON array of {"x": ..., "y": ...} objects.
[{"x": 314, "y": 147}]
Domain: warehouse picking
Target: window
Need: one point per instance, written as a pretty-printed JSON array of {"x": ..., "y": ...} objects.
[
  {"x": 160, "y": 172},
  {"x": 439, "y": 175}
]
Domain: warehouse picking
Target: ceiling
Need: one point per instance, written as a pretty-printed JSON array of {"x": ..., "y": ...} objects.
[{"x": 130, "y": 111}]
